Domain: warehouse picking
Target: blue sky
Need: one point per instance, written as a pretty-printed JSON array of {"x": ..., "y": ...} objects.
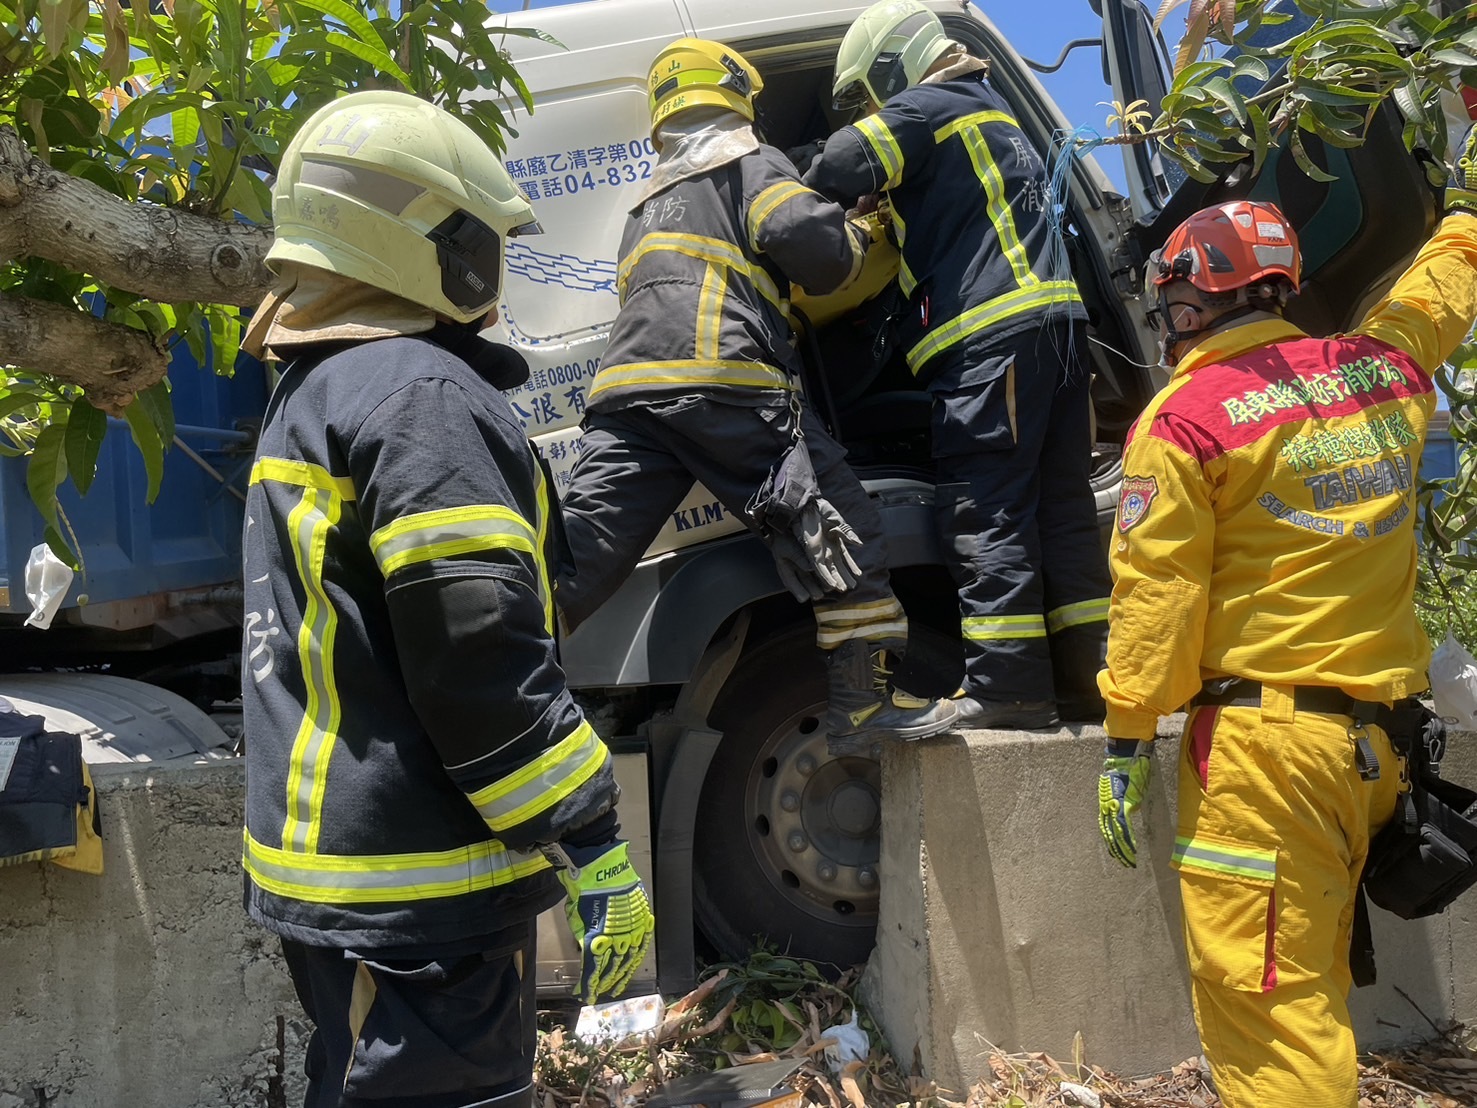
[{"x": 1038, "y": 29}]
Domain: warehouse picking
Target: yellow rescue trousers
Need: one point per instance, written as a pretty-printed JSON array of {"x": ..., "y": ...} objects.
[{"x": 1274, "y": 826}]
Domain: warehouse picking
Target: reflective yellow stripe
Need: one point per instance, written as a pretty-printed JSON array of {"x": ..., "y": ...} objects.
[
  {"x": 971, "y": 121},
  {"x": 308, "y": 525},
  {"x": 1074, "y": 615},
  {"x": 883, "y": 142},
  {"x": 766, "y": 202},
  {"x": 305, "y": 475},
  {"x": 988, "y": 314},
  {"x": 997, "y": 207},
  {"x": 541, "y": 495},
  {"x": 906, "y": 281},
  {"x": 710, "y": 314},
  {"x": 691, "y": 372},
  {"x": 1232, "y": 861},
  {"x": 705, "y": 249},
  {"x": 446, "y": 532},
  {"x": 385, "y": 878},
  {"x": 855, "y": 613},
  {"x": 542, "y": 783},
  {"x": 990, "y": 628}
]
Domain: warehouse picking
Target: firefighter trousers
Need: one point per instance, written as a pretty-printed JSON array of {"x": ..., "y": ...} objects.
[
  {"x": 638, "y": 463},
  {"x": 1018, "y": 523},
  {"x": 419, "y": 1032},
  {"x": 1274, "y": 826}
]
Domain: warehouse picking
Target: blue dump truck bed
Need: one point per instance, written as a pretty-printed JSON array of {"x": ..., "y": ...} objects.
[{"x": 189, "y": 538}]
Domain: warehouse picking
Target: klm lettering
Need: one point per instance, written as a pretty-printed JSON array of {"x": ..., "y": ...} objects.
[
  {"x": 1296, "y": 517},
  {"x": 1365, "y": 439},
  {"x": 1361, "y": 482},
  {"x": 689, "y": 518},
  {"x": 1352, "y": 379}
]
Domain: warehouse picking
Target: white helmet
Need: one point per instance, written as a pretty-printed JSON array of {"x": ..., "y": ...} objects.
[
  {"x": 394, "y": 192},
  {"x": 888, "y": 48}
]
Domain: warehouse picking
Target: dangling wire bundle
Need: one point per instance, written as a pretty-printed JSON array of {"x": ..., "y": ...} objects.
[{"x": 1067, "y": 148}]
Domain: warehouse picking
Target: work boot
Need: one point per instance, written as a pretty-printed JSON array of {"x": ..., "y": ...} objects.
[
  {"x": 1003, "y": 715},
  {"x": 865, "y": 708}
]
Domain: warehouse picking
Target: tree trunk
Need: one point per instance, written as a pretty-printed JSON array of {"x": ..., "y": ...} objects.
[
  {"x": 151, "y": 251},
  {"x": 110, "y": 361}
]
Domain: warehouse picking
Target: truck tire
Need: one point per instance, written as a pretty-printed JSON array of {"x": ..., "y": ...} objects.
[{"x": 788, "y": 837}]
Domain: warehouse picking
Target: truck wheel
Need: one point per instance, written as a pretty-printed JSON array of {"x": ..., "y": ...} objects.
[{"x": 788, "y": 837}]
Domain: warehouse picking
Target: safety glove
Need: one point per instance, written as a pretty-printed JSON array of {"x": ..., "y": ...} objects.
[
  {"x": 1120, "y": 791},
  {"x": 826, "y": 536},
  {"x": 1461, "y": 188},
  {"x": 608, "y": 912},
  {"x": 795, "y": 569}
]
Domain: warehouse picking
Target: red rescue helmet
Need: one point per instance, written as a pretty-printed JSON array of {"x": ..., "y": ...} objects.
[{"x": 1230, "y": 247}]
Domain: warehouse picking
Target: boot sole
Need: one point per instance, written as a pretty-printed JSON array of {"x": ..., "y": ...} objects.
[{"x": 862, "y": 741}]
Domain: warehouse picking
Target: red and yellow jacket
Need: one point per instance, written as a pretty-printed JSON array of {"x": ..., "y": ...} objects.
[{"x": 1265, "y": 528}]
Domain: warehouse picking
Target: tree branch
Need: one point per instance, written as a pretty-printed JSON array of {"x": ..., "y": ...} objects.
[
  {"x": 110, "y": 361},
  {"x": 151, "y": 251}
]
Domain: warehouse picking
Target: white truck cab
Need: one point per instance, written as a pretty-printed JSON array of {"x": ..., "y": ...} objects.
[{"x": 701, "y": 670}]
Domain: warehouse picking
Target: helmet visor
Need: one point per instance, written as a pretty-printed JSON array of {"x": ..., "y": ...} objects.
[{"x": 852, "y": 98}]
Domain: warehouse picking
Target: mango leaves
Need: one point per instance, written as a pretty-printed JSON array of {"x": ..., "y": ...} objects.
[
  {"x": 1327, "y": 80},
  {"x": 189, "y": 104}
]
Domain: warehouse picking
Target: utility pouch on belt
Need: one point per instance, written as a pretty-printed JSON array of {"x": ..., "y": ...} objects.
[
  {"x": 1427, "y": 856},
  {"x": 48, "y": 807}
]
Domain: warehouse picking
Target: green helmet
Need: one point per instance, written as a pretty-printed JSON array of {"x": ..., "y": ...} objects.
[
  {"x": 888, "y": 48},
  {"x": 391, "y": 191}
]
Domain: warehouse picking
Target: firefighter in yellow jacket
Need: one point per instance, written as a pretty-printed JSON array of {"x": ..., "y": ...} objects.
[{"x": 1264, "y": 568}]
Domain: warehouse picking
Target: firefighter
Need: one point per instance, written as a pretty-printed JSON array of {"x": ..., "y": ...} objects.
[
  {"x": 700, "y": 382},
  {"x": 420, "y": 785},
  {"x": 993, "y": 328},
  {"x": 1265, "y": 565}
]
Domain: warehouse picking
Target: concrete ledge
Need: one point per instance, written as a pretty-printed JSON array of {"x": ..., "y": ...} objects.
[
  {"x": 148, "y": 985},
  {"x": 1003, "y": 921}
]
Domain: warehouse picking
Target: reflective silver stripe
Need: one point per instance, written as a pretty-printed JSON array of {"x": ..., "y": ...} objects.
[
  {"x": 1074, "y": 615},
  {"x": 536, "y": 787},
  {"x": 1249, "y": 862},
  {"x": 371, "y": 878},
  {"x": 449, "y": 531}
]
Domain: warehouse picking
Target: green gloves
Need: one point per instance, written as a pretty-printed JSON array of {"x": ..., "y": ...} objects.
[
  {"x": 1461, "y": 190},
  {"x": 1120, "y": 791},
  {"x": 608, "y": 912}
]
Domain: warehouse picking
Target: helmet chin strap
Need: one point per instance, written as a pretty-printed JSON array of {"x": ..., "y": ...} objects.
[{"x": 1174, "y": 337}]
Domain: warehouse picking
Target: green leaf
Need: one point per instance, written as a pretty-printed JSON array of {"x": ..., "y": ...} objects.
[
  {"x": 1261, "y": 136},
  {"x": 47, "y": 470},
  {"x": 1248, "y": 65},
  {"x": 146, "y": 438},
  {"x": 1305, "y": 163},
  {"x": 368, "y": 52},
  {"x": 156, "y": 402},
  {"x": 86, "y": 428},
  {"x": 14, "y": 401},
  {"x": 1228, "y": 97},
  {"x": 59, "y": 547}
]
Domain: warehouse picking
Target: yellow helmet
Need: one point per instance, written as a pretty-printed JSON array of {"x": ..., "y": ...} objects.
[
  {"x": 695, "y": 71},
  {"x": 888, "y": 48},
  {"x": 401, "y": 195}
]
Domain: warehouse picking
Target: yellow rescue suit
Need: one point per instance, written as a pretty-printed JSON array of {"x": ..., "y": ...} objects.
[{"x": 1265, "y": 532}]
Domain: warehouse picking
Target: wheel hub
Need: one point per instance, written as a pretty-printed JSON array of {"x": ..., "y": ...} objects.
[{"x": 817, "y": 821}]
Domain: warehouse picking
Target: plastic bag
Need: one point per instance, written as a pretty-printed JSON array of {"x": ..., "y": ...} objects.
[
  {"x": 47, "y": 580},
  {"x": 1454, "y": 683},
  {"x": 851, "y": 1044}
]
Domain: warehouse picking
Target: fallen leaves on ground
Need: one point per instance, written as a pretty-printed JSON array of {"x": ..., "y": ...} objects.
[{"x": 772, "y": 1007}]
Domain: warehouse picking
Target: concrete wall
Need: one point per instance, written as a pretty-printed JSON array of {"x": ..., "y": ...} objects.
[
  {"x": 146, "y": 986},
  {"x": 1004, "y": 922}
]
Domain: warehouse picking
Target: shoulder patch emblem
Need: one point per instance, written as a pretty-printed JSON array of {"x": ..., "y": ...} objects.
[{"x": 1133, "y": 504}]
